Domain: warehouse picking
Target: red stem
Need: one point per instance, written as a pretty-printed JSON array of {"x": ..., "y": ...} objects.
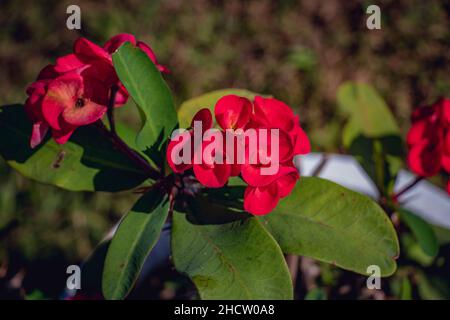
[
  {"x": 120, "y": 144},
  {"x": 407, "y": 188},
  {"x": 128, "y": 152}
]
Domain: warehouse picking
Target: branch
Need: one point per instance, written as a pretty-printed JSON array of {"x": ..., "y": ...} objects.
[
  {"x": 407, "y": 188},
  {"x": 119, "y": 143},
  {"x": 320, "y": 166},
  {"x": 128, "y": 152}
]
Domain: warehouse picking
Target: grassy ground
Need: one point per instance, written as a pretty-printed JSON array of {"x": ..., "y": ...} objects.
[{"x": 299, "y": 51}]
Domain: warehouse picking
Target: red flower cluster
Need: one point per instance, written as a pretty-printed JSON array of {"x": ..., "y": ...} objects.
[
  {"x": 75, "y": 91},
  {"x": 241, "y": 115},
  {"x": 429, "y": 140}
]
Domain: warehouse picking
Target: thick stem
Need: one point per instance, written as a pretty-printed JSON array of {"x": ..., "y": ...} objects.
[
  {"x": 128, "y": 152},
  {"x": 407, "y": 188},
  {"x": 119, "y": 143}
]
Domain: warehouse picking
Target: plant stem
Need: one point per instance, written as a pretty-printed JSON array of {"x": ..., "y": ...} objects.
[
  {"x": 119, "y": 143},
  {"x": 128, "y": 152},
  {"x": 320, "y": 166},
  {"x": 407, "y": 188},
  {"x": 110, "y": 112}
]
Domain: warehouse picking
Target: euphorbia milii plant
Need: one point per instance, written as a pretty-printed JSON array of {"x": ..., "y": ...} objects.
[{"x": 234, "y": 209}]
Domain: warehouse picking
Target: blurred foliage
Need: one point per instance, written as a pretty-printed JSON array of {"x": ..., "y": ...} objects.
[{"x": 299, "y": 51}]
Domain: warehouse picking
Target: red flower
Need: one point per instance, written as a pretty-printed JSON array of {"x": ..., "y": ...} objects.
[
  {"x": 429, "y": 139},
  {"x": 72, "y": 101},
  {"x": 264, "y": 191},
  {"x": 267, "y": 169},
  {"x": 75, "y": 91}
]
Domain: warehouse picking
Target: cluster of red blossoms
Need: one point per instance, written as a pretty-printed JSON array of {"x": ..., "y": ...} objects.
[
  {"x": 76, "y": 90},
  {"x": 239, "y": 114},
  {"x": 429, "y": 140}
]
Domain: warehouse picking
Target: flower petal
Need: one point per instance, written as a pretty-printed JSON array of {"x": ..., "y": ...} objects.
[
  {"x": 205, "y": 117},
  {"x": 417, "y": 132},
  {"x": 62, "y": 93},
  {"x": 38, "y": 133},
  {"x": 68, "y": 63},
  {"x": 88, "y": 51},
  {"x": 253, "y": 177},
  {"x": 232, "y": 112},
  {"x": 62, "y": 136},
  {"x": 212, "y": 177},
  {"x": 301, "y": 141},
  {"x": 175, "y": 149},
  {"x": 446, "y": 110},
  {"x": 49, "y": 72},
  {"x": 424, "y": 158},
  {"x": 121, "y": 96},
  {"x": 260, "y": 200},
  {"x": 273, "y": 113},
  {"x": 86, "y": 114},
  {"x": 146, "y": 48},
  {"x": 115, "y": 42},
  {"x": 446, "y": 162},
  {"x": 286, "y": 183}
]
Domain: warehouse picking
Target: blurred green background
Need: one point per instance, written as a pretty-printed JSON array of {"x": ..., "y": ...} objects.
[{"x": 298, "y": 51}]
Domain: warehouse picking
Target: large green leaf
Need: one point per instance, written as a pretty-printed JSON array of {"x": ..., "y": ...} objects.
[
  {"x": 369, "y": 114},
  {"x": 87, "y": 162},
  {"x": 422, "y": 231},
  {"x": 150, "y": 92},
  {"x": 325, "y": 221},
  {"x": 238, "y": 260},
  {"x": 208, "y": 100},
  {"x": 136, "y": 235}
]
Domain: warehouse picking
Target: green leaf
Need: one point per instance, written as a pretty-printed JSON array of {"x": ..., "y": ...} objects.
[
  {"x": 412, "y": 250},
  {"x": 92, "y": 270},
  {"x": 442, "y": 234},
  {"x": 432, "y": 287},
  {"x": 369, "y": 114},
  {"x": 135, "y": 237},
  {"x": 422, "y": 231},
  {"x": 406, "y": 289},
  {"x": 87, "y": 162},
  {"x": 239, "y": 260},
  {"x": 150, "y": 92},
  {"x": 325, "y": 221},
  {"x": 208, "y": 100}
]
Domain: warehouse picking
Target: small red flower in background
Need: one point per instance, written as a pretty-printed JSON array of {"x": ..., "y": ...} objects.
[
  {"x": 75, "y": 91},
  {"x": 232, "y": 112},
  {"x": 429, "y": 140}
]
